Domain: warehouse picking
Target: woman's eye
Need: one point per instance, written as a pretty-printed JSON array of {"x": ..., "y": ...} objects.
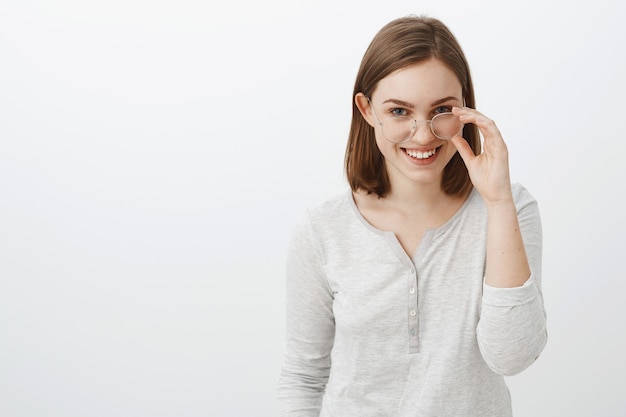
[
  {"x": 398, "y": 112},
  {"x": 443, "y": 109}
]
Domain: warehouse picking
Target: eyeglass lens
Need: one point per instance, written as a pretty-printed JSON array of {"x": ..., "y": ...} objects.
[{"x": 400, "y": 129}]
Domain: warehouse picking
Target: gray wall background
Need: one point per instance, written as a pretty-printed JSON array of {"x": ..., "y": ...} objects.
[{"x": 155, "y": 155}]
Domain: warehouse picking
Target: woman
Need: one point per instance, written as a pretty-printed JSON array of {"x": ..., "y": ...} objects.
[{"x": 417, "y": 291}]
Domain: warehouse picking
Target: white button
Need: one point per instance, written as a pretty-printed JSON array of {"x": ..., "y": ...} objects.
[
  {"x": 413, "y": 332},
  {"x": 413, "y": 313},
  {"x": 411, "y": 270},
  {"x": 412, "y": 290}
]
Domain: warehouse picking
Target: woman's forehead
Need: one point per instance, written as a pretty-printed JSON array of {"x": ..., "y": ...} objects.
[{"x": 425, "y": 82}]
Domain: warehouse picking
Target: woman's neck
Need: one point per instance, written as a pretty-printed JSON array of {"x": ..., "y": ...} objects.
[{"x": 411, "y": 197}]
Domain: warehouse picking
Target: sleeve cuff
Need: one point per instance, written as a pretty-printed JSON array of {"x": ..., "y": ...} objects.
[{"x": 510, "y": 297}]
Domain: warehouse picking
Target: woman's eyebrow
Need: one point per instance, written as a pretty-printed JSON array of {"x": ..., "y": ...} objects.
[
  {"x": 443, "y": 100},
  {"x": 409, "y": 105},
  {"x": 399, "y": 102}
]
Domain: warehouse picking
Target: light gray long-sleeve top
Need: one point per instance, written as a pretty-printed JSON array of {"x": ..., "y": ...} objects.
[{"x": 373, "y": 332}]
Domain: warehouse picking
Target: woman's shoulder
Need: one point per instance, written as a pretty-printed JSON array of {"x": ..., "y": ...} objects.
[
  {"x": 521, "y": 195},
  {"x": 522, "y": 198},
  {"x": 326, "y": 218},
  {"x": 334, "y": 207}
]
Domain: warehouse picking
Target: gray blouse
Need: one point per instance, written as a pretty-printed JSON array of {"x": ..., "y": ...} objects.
[{"x": 371, "y": 331}]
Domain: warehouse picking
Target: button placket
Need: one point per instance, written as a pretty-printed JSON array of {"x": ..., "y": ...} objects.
[{"x": 412, "y": 312}]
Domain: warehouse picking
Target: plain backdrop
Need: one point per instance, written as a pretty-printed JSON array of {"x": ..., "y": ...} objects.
[{"x": 155, "y": 155}]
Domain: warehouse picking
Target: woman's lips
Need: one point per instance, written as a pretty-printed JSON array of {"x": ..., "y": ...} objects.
[{"x": 421, "y": 154}]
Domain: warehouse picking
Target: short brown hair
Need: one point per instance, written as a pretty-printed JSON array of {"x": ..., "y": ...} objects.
[{"x": 401, "y": 43}]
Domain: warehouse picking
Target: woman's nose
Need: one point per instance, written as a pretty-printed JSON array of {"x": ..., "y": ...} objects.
[{"x": 422, "y": 132}]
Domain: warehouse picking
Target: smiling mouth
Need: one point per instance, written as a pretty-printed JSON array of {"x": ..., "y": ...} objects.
[{"x": 415, "y": 154}]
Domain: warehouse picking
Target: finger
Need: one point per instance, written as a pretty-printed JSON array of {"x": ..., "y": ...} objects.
[
  {"x": 487, "y": 127},
  {"x": 464, "y": 149},
  {"x": 475, "y": 117}
]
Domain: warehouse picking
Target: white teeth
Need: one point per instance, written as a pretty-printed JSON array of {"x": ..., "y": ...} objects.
[{"x": 419, "y": 154}]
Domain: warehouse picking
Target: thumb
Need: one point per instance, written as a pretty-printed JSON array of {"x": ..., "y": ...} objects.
[{"x": 464, "y": 148}]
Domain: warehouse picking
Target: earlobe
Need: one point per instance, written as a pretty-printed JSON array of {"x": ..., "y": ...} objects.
[{"x": 365, "y": 107}]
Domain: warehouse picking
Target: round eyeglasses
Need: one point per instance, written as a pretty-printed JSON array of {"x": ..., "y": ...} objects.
[{"x": 400, "y": 129}]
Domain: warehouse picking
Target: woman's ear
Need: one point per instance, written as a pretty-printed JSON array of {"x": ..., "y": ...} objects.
[{"x": 365, "y": 108}]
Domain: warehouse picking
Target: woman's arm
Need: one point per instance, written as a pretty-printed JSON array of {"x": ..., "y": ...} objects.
[
  {"x": 310, "y": 327},
  {"x": 512, "y": 329}
]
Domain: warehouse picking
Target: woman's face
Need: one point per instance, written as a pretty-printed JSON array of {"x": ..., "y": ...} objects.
[{"x": 420, "y": 91}]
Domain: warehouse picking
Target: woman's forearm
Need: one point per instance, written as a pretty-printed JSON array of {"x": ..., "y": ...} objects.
[{"x": 507, "y": 263}]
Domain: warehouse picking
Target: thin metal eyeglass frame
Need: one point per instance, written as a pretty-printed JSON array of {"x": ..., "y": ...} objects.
[{"x": 414, "y": 129}]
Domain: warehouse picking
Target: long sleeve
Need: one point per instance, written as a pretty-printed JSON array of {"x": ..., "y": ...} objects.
[
  {"x": 310, "y": 327},
  {"x": 512, "y": 328}
]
